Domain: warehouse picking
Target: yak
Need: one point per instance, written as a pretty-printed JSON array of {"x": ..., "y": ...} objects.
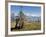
[{"x": 19, "y": 23}]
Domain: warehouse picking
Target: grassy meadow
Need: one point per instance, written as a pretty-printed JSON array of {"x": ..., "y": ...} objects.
[{"x": 27, "y": 26}]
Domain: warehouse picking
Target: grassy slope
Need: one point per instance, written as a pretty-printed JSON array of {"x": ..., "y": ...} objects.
[{"x": 28, "y": 26}]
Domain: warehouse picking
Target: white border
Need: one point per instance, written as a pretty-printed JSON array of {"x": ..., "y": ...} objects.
[{"x": 24, "y": 32}]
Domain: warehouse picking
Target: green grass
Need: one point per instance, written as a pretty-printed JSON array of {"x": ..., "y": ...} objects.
[{"x": 28, "y": 26}]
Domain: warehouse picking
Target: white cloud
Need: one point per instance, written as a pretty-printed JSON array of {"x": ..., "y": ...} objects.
[
  {"x": 29, "y": 14},
  {"x": 15, "y": 14},
  {"x": 35, "y": 15}
]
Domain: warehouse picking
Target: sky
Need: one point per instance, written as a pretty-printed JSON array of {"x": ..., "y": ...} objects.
[{"x": 27, "y": 10}]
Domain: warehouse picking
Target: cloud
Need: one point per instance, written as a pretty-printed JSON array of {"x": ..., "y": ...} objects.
[
  {"x": 29, "y": 14},
  {"x": 35, "y": 15},
  {"x": 15, "y": 14}
]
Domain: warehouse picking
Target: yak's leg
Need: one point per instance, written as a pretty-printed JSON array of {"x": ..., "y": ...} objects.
[
  {"x": 16, "y": 26},
  {"x": 22, "y": 24}
]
